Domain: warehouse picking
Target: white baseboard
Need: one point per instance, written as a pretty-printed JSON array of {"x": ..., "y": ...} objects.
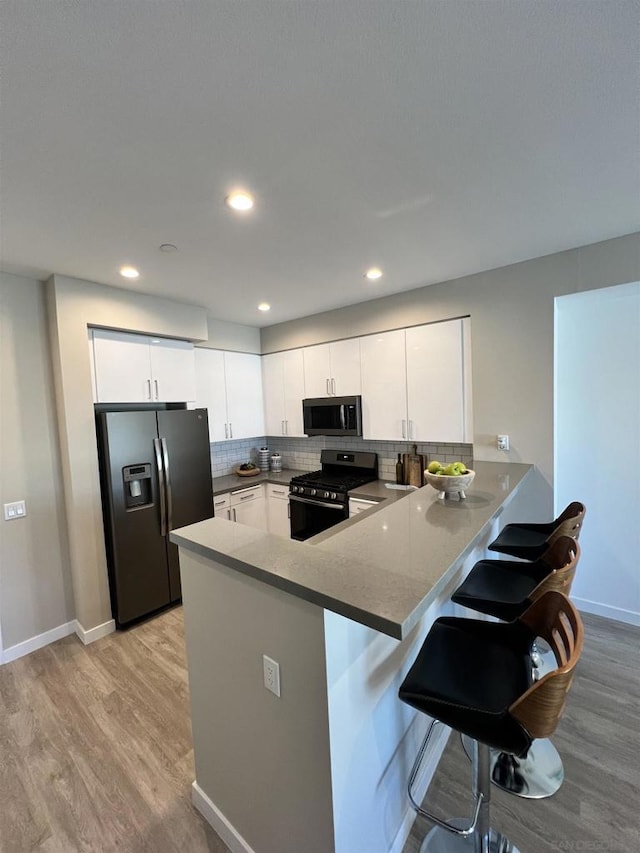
[
  {"x": 93, "y": 634},
  {"x": 37, "y": 642},
  {"x": 607, "y": 610},
  {"x": 439, "y": 741},
  {"x": 214, "y": 817}
]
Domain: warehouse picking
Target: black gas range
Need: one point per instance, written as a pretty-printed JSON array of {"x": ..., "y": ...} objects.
[{"x": 321, "y": 499}]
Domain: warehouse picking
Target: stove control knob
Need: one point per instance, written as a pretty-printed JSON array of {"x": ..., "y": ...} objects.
[
  {"x": 333, "y": 496},
  {"x": 325, "y": 494},
  {"x": 313, "y": 491},
  {"x": 294, "y": 488}
]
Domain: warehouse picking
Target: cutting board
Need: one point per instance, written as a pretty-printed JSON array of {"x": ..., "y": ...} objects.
[{"x": 414, "y": 465}]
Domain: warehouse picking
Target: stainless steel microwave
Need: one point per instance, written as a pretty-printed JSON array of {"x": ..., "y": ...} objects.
[{"x": 332, "y": 416}]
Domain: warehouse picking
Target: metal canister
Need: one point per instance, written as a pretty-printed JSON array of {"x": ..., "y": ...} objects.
[
  {"x": 276, "y": 463},
  {"x": 263, "y": 458}
]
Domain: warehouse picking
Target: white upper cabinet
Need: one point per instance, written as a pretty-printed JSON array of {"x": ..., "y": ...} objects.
[
  {"x": 416, "y": 383},
  {"x": 229, "y": 386},
  {"x": 332, "y": 370},
  {"x": 435, "y": 382},
  {"x": 384, "y": 386},
  {"x": 245, "y": 409},
  {"x": 211, "y": 392},
  {"x": 139, "y": 369},
  {"x": 283, "y": 383},
  {"x": 173, "y": 370}
]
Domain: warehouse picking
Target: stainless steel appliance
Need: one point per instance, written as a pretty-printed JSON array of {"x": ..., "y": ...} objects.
[
  {"x": 319, "y": 500},
  {"x": 332, "y": 415},
  {"x": 155, "y": 475}
]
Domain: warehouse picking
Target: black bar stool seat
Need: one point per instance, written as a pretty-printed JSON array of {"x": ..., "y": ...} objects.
[
  {"x": 500, "y": 588},
  {"x": 505, "y": 588},
  {"x": 530, "y": 541},
  {"x": 447, "y": 683}
]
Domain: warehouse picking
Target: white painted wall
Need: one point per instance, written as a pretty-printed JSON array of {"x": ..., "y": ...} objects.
[{"x": 597, "y": 432}]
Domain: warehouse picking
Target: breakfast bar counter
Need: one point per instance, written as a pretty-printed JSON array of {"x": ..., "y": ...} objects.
[
  {"x": 322, "y": 767},
  {"x": 382, "y": 569}
]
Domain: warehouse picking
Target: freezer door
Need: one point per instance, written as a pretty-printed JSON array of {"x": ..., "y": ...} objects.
[
  {"x": 184, "y": 434},
  {"x": 136, "y": 550}
]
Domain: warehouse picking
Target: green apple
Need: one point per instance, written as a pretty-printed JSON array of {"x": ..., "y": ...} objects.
[{"x": 434, "y": 467}]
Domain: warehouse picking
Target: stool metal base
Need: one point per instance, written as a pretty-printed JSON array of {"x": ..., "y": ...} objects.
[
  {"x": 441, "y": 841},
  {"x": 535, "y": 777}
]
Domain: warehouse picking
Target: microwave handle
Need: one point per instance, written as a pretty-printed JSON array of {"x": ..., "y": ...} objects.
[{"x": 343, "y": 422}]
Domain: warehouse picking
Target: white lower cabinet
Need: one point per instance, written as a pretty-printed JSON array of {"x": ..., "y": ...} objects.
[
  {"x": 359, "y": 505},
  {"x": 248, "y": 506},
  {"x": 278, "y": 510}
]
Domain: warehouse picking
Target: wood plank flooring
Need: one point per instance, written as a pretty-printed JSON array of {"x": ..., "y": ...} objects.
[
  {"x": 96, "y": 753},
  {"x": 95, "y": 747}
]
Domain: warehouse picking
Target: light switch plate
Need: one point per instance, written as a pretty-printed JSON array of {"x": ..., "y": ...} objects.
[{"x": 17, "y": 509}]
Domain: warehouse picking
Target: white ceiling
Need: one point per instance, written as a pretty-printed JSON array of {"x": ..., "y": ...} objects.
[{"x": 431, "y": 138}]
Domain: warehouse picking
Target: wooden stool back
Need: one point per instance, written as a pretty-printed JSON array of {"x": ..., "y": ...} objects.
[
  {"x": 562, "y": 558},
  {"x": 554, "y": 618}
]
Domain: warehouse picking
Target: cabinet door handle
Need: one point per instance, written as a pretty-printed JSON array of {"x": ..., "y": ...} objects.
[
  {"x": 328, "y": 388},
  {"x": 234, "y": 514},
  {"x": 148, "y": 389},
  {"x": 404, "y": 429},
  {"x": 247, "y": 497},
  {"x": 410, "y": 429},
  {"x": 282, "y": 426},
  {"x": 277, "y": 491},
  {"x": 219, "y": 503},
  {"x": 226, "y": 430},
  {"x": 333, "y": 387},
  {"x": 230, "y": 430},
  {"x": 286, "y": 427},
  {"x": 157, "y": 392}
]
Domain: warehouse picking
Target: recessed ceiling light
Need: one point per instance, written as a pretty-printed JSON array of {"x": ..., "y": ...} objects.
[
  {"x": 264, "y": 306},
  {"x": 240, "y": 200},
  {"x": 168, "y": 247},
  {"x": 373, "y": 274},
  {"x": 129, "y": 272}
]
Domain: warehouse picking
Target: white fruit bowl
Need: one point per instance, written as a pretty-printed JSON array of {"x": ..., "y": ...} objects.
[{"x": 449, "y": 484}]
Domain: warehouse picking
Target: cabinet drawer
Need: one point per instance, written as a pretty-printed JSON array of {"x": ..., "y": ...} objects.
[
  {"x": 278, "y": 492},
  {"x": 243, "y": 496},
  {"x": 221, "y": 502}
]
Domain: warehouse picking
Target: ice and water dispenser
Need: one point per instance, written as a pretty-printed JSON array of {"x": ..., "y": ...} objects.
[{"x": 137, "y": 485}]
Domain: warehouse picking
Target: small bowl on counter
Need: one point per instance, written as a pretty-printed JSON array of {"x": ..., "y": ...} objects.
[{"x": 449, "y": 484}]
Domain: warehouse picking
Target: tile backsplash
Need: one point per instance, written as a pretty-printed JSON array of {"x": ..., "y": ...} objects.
[{"x": 304, "y": 453}]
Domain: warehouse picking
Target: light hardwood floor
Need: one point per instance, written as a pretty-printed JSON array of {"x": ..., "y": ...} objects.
[{"x": 96, "y": 755}]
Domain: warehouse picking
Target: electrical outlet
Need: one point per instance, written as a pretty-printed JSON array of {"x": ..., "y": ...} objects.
[
  {"x": 18, "y": 509},
  {"x": 271, "y": 670},
  {"x": 503, "y": 442}
]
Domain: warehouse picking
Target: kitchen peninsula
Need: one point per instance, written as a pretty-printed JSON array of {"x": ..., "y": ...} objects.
[{"x": 323, "y": 767}]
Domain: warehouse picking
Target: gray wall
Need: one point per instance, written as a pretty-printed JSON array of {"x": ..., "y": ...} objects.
[
  {"x": 512, "y": 327},
  {"x": 35, "y": 579}
]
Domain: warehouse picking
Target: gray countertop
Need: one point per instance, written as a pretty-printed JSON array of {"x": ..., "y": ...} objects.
[
  {"x": 231, "y": 482},
  {"x": 384, "y": 570}
]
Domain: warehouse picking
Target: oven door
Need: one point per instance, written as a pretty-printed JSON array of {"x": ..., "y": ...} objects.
[{"x": 309, "y": 516}]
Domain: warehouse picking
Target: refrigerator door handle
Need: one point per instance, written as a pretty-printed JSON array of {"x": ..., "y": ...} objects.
[
  {"x": 161, "y": 486},
  {"x": 165, "y": 459}
]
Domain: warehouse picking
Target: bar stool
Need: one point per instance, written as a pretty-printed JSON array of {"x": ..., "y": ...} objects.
[
  {"x": 505, "y": 589},
  {"x": 530, "y": 541},
  {"x": 475, "y": 676}
]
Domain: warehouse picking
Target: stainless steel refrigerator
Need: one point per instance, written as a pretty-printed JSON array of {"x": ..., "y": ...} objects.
[{"x": 155, "y": 475}]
